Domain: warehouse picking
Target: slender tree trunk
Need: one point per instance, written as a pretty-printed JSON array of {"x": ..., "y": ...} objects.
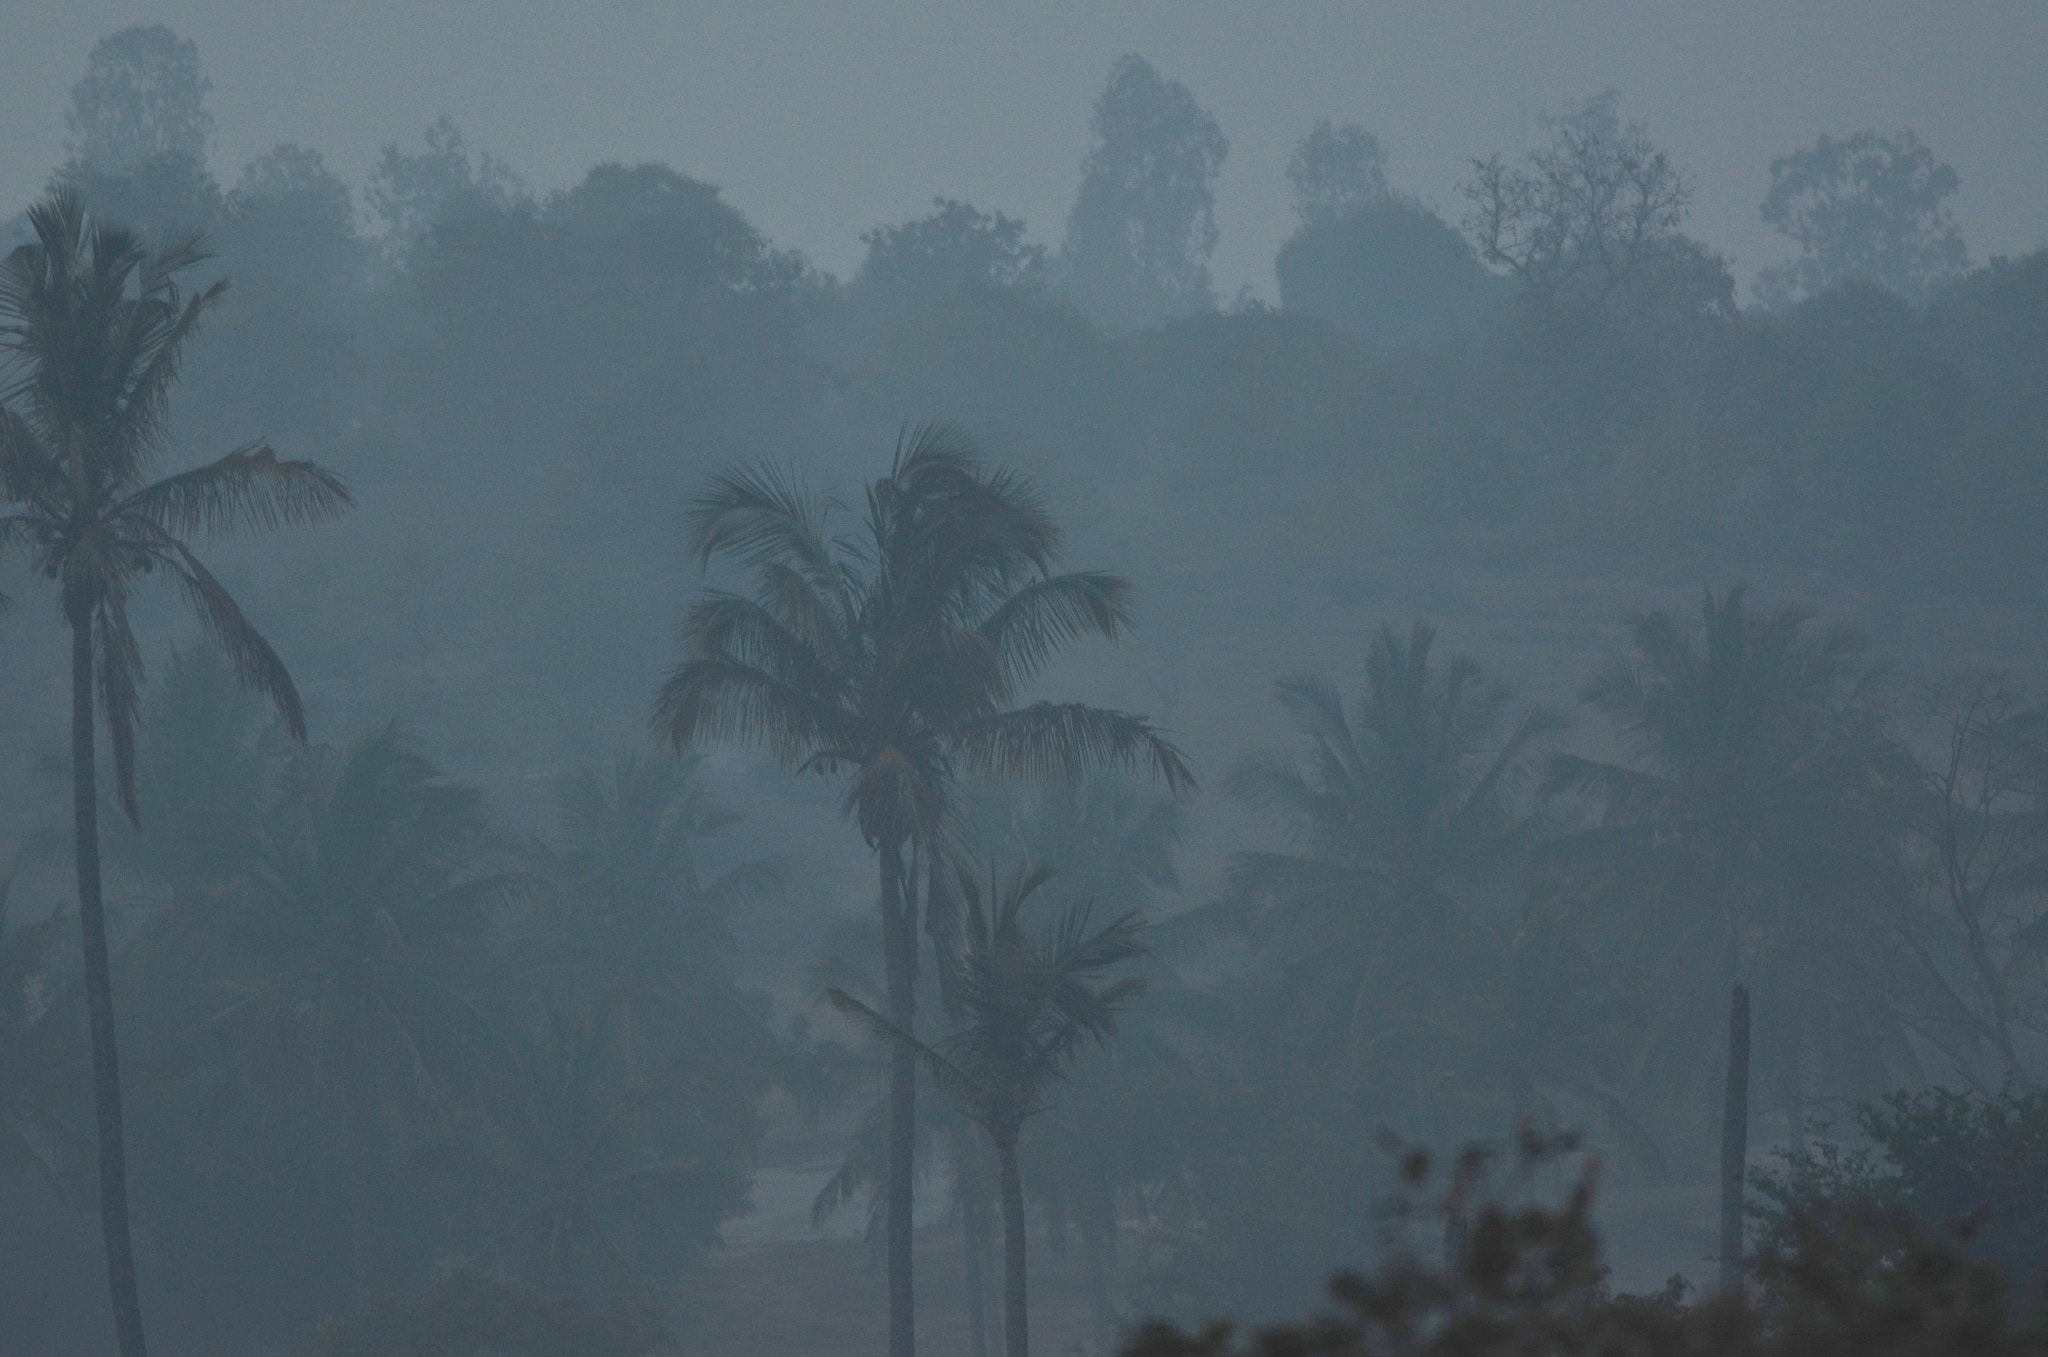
[
  {"x": 1016, "y": 1317},
  {"x": 1097, "y": 1221},
  {"x": 1734, "y": 1141},
  {"x": 974, "y": 1235},
  {"x": 899, "y": 948},
  {"x": 99, "y": 998}
]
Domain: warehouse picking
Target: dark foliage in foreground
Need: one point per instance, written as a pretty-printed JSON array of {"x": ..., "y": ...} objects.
[{"x": 1838, "y": 1279}]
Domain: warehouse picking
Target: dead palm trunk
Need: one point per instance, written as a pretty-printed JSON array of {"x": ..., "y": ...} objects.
[
  {"x": 1734, "y": 1141},
  {"x": 899, "y": 948},
  {"x": 1016, "y": 1317},
  {"x": 99, "y": 996}
]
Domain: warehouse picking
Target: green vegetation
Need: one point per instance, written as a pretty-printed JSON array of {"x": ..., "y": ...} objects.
[{"x": 447, "y": 1019}]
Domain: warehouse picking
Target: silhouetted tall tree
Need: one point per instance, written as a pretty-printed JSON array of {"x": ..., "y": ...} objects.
[
  {"x": 94, "y": 325},
  {"x": 894, "y": 657},
  {"x": 1409, "y": 791},
  {"x": 1143, "y": 225},
  {"x": 1748, "y": 837},
  {"x": 1863, "y": 208},
  {"x": 1027, "y": 1004}
]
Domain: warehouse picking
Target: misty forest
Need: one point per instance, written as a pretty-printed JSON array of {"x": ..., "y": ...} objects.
[{"x": 576, "y": 786}]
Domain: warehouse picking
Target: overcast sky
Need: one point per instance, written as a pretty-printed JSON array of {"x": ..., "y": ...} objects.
[{"x": 823, "y": 120}]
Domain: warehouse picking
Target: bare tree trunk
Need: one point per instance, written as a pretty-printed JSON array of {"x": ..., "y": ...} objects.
[
  {"x": 99, "y": 998},
  {"x": 974, "y": 1234},
  {"x": 899, "y": 948},
  {"x": 1734, "y": 1141},
  {"x": 1016, "y": 1318},
  {"x": 1097, "y": 1221}
]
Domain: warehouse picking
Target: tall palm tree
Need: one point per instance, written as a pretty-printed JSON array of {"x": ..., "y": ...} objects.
[
  {"x": 1409, "y": 799},
  {"x": 895, "y": 657},
  {"x": 1746, "y": 839},
  {"x": 1028, "y": 1004},
  {"x": 94, "y": 324}
]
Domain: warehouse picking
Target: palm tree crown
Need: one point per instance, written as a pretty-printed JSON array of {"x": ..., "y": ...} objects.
[
  {"x": 95, "y": 325},
  {"x": 895, "y": 656}
]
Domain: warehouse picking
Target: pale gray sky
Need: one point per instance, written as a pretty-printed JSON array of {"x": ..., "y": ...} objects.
[{"x": 821, "y": 120}]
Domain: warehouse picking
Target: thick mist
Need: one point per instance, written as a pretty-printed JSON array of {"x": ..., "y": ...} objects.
[{"x": 889, "y": 684}]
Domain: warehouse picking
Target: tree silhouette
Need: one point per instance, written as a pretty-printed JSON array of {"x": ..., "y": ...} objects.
[
  {"x": 95, "y": 324},
  {"x": 1027, "y": 1005},
  {"x": 1748, "y": 838},
  {"x": 379, "y": 878},
  {"x": 1408, "y": 794},
  {"x": 895, "y": 658}
]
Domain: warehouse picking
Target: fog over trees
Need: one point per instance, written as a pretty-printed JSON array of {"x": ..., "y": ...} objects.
[{"x": 1011, "y": 797}]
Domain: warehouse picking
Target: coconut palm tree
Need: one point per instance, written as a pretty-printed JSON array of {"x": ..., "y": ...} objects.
[
  {"x": 381, "y": 879},
  {"x": 894, "y": 657},
  {"x": 1408, "y": 802},
  {"x": 573, "y": 1182},
  {"x": 93, "y": 325},
  {"x": 1747, "y": 838},
  {"x": 1028, "y": 1004}
]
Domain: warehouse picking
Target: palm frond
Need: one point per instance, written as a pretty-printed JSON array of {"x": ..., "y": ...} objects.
[
  {"x": 714, "y": 697},
  {"x": 247, "y": 489},
  {"x": 758, "y": 515},
  {"x": 255, "y": 663},
  {"x": 1047, "y": 615},
  {"x": 1069, "y": 740},
  {"x": 943, "y": 1072}
]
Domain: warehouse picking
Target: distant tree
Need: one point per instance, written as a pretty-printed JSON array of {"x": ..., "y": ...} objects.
[
  {"x": 955, "y": 246},
  {"x": 380, "y": 879},
  {"x": 1392, "y": 273},
  {"x": 1408, "y": 801},
  {"x": 1749, "y": 837},
  {"x": 143, "y": 95},
  {"x": 662, "y": 221},
  {"x": 289, "y": 219},
  {"x": 408, "y": 192},
  {"x": 1027, "y": 1005},
  {"x": 1593, "y": 212},
  {"x": 139, "y": 131},
  {"x": 572, "y": 1185},
  {"x": 1863, "y": 208},
  {"x": 1143, "y": 226},
  {"x": 1980, "y": 828},
  {"x": 895, "y": 657},
  {"x": 94, "y": 326},
  {"x": 1337, "y": 171}
]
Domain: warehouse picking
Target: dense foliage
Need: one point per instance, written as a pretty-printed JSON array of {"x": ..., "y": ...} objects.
[{"x": 456, "y": 985}]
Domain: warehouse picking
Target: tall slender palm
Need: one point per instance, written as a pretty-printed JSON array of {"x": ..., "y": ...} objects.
[
  {"x": 1028, "y": 1004},
  {"x": 895, "y": 657},
  {"x": 93, "y": 324},
  {"x": 1746, "y": 838}
]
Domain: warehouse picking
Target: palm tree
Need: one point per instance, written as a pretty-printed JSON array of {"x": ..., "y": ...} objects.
[
  {"x": 1028, "y": 1004},
  {"x": 1747, "y": 839},
  {"x": 574, "y": 1183},
  {"x": 1408, "y": 802},
  {"x": 95, "y": 324},
  {"x": 895, "y": 657},
  {"x": 381, "y": 877}
]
